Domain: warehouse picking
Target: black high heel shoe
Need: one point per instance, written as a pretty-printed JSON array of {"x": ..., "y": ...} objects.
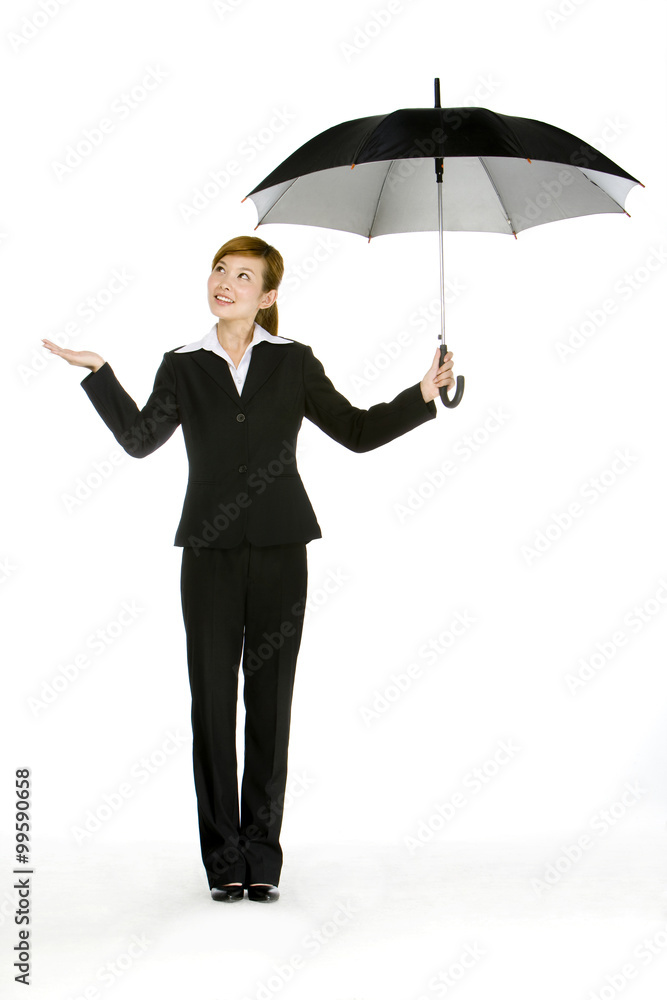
[
  {"x": 226, "y": 893},
  {"x": 263, "y": 893}
]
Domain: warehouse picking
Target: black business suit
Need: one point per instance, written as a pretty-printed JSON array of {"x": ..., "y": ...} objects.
[{"x": 245, "y": 523}]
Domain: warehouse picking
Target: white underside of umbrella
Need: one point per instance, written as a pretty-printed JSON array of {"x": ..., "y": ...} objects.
[
  {"x": 495, "y": 194},
  {"x": 492, "y": 194}
]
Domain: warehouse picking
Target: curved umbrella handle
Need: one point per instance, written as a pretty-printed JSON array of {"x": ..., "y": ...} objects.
[{"x": 460, "y": 383}]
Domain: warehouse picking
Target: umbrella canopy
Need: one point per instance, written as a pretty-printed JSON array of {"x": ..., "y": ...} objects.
[
  {"x": 503, "y": 174},
  {"x": 493, "y": 173}
]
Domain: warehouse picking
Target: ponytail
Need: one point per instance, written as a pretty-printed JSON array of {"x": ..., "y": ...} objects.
[{"x": 268, "y": 319}]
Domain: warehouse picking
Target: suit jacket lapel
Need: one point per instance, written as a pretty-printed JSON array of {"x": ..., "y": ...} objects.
[{"x": 263, "y": 361}]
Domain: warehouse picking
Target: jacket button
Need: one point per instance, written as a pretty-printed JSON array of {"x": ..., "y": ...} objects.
[
  {"x": 240, "y": 417},
  {"x": 243, "y": 468}
]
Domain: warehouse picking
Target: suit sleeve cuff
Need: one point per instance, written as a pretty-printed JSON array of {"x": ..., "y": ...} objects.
[
  {"x": 91, "y": 373},
  {"x": 416, "y": 391}
]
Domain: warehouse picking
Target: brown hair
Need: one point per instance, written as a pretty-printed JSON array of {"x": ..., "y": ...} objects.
[{"x": 274, "y": 266}]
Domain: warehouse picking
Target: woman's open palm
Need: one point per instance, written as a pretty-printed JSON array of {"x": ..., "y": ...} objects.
[{"x": 83, "y": 359}]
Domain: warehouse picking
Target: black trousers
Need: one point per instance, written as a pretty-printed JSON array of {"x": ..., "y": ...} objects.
[{"x": 242, "y": 605}]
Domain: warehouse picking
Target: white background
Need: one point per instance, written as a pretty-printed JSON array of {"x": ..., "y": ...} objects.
[{"x": 247, "y": 82}]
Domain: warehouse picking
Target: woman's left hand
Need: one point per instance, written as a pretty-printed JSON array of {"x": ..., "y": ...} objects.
[{"x": 437, "y": 376}]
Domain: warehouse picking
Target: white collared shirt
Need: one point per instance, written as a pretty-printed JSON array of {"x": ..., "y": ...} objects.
[{"x": 211, "y": 343}]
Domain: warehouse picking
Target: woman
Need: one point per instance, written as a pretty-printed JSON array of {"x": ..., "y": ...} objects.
[{"x": 240, "y": 394}]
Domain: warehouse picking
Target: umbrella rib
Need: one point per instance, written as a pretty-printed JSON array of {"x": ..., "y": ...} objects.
[
  {"x": 502, "y": 119},
  {"x": 498, "y": 195},
  {"x": 605, "y": 193},
  {"x": 367, "y": 134},
  {"x": 271, "y": 207},
  {"x": 377, "y": 203}
]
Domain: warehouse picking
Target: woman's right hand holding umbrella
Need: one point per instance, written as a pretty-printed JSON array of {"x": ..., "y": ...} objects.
[
  {"x": 438, "y": 376},
  {"x": 83, "y": 359}
]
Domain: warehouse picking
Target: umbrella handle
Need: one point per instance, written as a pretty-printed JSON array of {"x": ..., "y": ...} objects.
[{"x": 460, "y": 383}]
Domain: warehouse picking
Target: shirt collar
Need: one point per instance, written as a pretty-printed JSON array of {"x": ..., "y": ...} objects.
[{"x": 210, "y": 342}]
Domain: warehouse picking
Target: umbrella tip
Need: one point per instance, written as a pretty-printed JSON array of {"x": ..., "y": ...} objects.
[
  {"x": 352, "y": 167},
  {"x": 514, "y": 234},
  {"x": 529, "y": 160},
  {"x": 243, "y": 199},
  {"x": 628, "y": 214}
]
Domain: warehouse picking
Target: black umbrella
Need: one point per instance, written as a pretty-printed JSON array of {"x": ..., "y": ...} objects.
[{"x": 504, "y": 174}]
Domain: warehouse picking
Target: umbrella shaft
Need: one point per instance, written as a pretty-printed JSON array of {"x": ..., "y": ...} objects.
[{"x": 442, "y": 264}]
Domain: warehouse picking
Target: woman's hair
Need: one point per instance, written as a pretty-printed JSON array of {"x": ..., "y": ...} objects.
[{"x": 274, "y": 266}]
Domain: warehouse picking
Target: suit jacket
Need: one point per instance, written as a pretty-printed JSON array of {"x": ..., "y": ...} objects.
[{"x": 243, "y": 477}]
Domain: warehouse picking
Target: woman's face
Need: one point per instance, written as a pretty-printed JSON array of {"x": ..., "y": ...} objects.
[{"x": 235, "y": 288}]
